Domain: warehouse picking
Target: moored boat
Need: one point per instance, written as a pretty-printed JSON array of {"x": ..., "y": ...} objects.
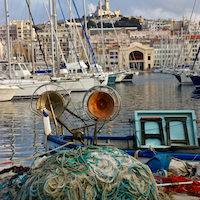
[
  {"x": 156, "y": 132},
  {"x": 7, "y": 92}
]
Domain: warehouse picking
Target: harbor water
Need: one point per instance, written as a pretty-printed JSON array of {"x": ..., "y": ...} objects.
[{"x": 21, "y": 132}]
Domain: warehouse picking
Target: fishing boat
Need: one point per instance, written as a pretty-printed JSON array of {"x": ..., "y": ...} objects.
[{"x": 155, "y": 132}]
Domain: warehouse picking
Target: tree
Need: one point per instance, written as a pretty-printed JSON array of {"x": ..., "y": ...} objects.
[
  {"x": 91, "y": 24},
  {"x": 126, "y": 22}
]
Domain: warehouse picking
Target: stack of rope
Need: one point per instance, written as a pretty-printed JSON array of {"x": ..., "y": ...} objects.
[{"x": 90, "y": 173}]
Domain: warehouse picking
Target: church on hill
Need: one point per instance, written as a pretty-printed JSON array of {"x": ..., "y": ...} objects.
[{"x": 105, "y": 10}]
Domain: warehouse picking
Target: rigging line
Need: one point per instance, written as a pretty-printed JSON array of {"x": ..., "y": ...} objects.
[
  {"x": 11, "y": 4},
  {"x": 185, "y": 34},
  {"x": 23, "y": 14},
  {"x": 43, "y": 17},
  {"x": 193, "y": 41},
  {"x": 16, "y": 10},
  {"x": 79, "y": 35},
  {"x": 40, "y": 45},
  {"x": 56, "y": 38},
  {"x": 89, "y": 45},
  {"x": 36, "y": 8},
  {"x": 70, "y": 35}
]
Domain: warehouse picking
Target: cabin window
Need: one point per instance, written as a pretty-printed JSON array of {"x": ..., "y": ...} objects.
[
  {"x": 17, "y": 67},
  {"x": 79, "y": 71},
  {"x": 23, "y": 66}
]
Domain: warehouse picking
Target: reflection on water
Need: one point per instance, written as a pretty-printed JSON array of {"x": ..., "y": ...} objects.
[
  {"x": 21, "y": 132},
  {"x": 21, "y": 135}
]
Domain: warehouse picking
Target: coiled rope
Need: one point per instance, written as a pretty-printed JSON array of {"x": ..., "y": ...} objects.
[{"x": 90, "y": 173}]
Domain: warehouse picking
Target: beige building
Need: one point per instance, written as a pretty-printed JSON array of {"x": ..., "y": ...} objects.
[
  {"x": 3, "y": 32},
  {"x": 137, "y": 56},
  {"x": 23, "y": 29}
]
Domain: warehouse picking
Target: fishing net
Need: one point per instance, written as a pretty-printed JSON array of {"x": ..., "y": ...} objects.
[
  {"x": 90, "y": 173},
  {"x": 83, "y": 173},
  {"x": 191, "y": 189},
  {"x": 11, "y": 180}
]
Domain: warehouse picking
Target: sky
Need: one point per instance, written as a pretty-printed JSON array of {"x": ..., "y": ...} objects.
[{"x": 148, "y": 9}]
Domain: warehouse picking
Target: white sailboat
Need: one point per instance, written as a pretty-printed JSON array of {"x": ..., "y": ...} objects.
[
  {"x": 27, "y": 83},
  {"x": 7, "y": 92},
  {"x": 79, "y": 69}
]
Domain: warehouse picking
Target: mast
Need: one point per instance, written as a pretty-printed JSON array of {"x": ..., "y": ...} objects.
[
  {"x": 70, "y": 7},
  {"x": 85, "y": 20},
  {"x": 8, "y": 37},
  {"x": 85, "y": 16},
  {"x": 161, "y": 60},
  {"x": 31, "y": 29},
  {"x": 52, "y": 43},
  {"x": 55, "y": 28},
  {"x": 102, "y": 36}
]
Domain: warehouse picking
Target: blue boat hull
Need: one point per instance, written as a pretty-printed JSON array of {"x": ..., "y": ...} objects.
[
  {"x": 167, "y": 131},
  {"x": 196, "y": 81},
  {"x": 111, "y": 79},
  {"x": 191, "y": 152}
]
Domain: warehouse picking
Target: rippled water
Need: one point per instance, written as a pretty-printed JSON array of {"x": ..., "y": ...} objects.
[{"x": 21, "y": 132}]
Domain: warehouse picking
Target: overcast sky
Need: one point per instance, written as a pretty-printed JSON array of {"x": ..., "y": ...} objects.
[{"x": 149, "y": 9}]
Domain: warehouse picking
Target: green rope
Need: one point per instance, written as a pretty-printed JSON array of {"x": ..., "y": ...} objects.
[{"x": 87, "y": 173}]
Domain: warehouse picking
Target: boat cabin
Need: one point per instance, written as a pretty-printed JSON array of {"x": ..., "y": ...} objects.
[
  {"x": 162, "y": 129},
  {"x": 18, "y": 70},
  {"x": 76, "y": 68}
]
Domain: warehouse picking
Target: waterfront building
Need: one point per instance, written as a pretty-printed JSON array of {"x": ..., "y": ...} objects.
[
  {"x": 177, "y": 51},
  {"x": 137, "y": 56}
]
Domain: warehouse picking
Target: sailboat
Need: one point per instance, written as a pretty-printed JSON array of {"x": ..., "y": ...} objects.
[
  {"x": 79, "y": 69},
  {"x": 28, "y": 83},
  {"x": 7, "y": 91},
  {"x": 19, "y": 81}
]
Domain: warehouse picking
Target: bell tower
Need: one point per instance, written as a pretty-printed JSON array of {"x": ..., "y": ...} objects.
[{"x": 107, "y": 5}]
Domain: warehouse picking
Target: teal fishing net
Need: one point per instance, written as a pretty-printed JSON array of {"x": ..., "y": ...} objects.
[{"x": 89, "y": 173}]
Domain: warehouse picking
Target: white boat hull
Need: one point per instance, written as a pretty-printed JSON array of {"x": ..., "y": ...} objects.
[
  {"x": 101, "y": 79},
  {"x": 80, "y": 85},
  {"x": 7, "y": 92},
  {"x": 185, "y": 79},
  {"x": 28, "y": 87},
  {"x": 119, "y": 76}
]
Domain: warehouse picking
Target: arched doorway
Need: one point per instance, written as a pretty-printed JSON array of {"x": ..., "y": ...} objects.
[{"x": 136, "y": 60}]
